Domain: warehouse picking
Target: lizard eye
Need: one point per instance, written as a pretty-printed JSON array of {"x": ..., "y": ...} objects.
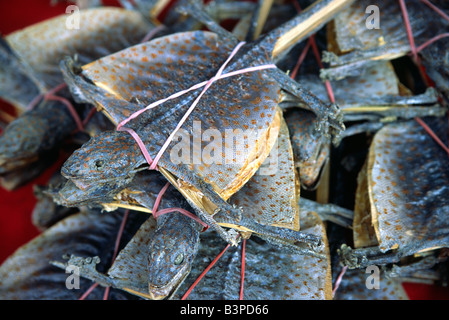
[
  {"x": 179, "y": 259},
  {"x": 99, "y": 164}
]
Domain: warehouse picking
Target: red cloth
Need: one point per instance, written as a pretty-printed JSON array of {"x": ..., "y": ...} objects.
[{"x": 15, "y": 207}]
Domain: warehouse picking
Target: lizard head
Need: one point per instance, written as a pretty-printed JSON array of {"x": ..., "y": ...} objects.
[
  {"x": 171, "y": 253},
  {"x": 110, "y": 155}
]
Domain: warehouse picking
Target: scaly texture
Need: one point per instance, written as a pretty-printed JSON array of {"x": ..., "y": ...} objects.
[
  {"x": 101, "y": 31},
  {"x": 28, "y": 274},
  {"x": 408, "y": 186}
]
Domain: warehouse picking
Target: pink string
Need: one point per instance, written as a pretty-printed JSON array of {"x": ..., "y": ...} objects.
[
  {"x": 159, "y": 198},
  {"x": 300, "y": 60},
  {"x": 339, "y": 279},
  {"x": 184, "y": 212},
  {"x": 206, "y": 85},
  {"x": 51, "y": 92},
  {"x": 436, "y": 9},
  {"x": 311, "y": 42},
  {"x": 140, "y": 143},
  {"x": 34, "y": 102},
  {"x": 432, "y": 134},
  {"x": 157, "y": 213},
  {"x": 204, "y": 272},
  {"x": 418, "y": 62},
  {"x": 51, "y": 95},
  {"x": 89, "y": 115},
  {"x": 327, "y": 83},
  {"x": 430, "y": 41},
  {"x": 242, "y": 271},
  {"x": 152, "y": 33},
  {"x": 88, "y": 291},
  {"x": 70, "y": 107},
  {"x": 117, "y": 243},
  {"x": 408, "y": 27}
]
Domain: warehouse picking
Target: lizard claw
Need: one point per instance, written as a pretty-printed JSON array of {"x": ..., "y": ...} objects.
[
  {"x": 350, "y": 258},
  {"x": 331, "y": 123}
]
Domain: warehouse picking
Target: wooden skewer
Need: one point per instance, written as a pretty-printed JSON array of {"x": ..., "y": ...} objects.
[
  {"x": 158, "y": 7},
  {"x": 262, "y": 14},
  {"x": 126, "y": 206},
  {"x": 312, "y": 19}
]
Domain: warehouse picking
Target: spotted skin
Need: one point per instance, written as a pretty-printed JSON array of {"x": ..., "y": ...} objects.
[
  {"x": 168, "y": 261},
  {"x": 158, "y": 258},
  {"x": 393, "y": 34},
  {"x": 311, "y": 170},
  {"x": 406, "y": 173},
  {"x": 160, "y": 70},
  {"x": 37, "y": 50},
  {"x": 271, "y": 196},
  {"x": 105, "y": 157},
  {"x": 28, "y": 274},
  {"x": 271, "y": 273},
  {"x": 407, "y": 181},
  {"x": 371, "y": 87},
  {"x": 81, "y": 159},
  {"x": 101, "y": 32},
  {"x": 371, "y": 93},
  {"x": 171, "y": 247},
  {"x": 353, "y": 287},
  {"x": 138, "y": 190},
  {"x": 300, "y": 277},
  {"x": 70, "y": 195},
  {"x": 154, "y": 263},
  {"x": 248, "y": 101},
  {"x": 358, "y": 47},
  {"x": 16, "y": 85},
  {"x": 436, "y": 61}
]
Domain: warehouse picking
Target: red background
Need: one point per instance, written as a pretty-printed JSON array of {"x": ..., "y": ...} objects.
[{"x": 16, "y": 207}]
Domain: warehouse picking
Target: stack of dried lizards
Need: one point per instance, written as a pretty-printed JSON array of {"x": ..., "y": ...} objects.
[{"x": 298, "y": 145}]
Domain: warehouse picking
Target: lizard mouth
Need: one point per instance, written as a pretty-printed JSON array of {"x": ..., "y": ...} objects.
[
  {"x": 83, "y": 184},
  {"x": 157, "y": 293},
  {"x": 167, "y": 291}
]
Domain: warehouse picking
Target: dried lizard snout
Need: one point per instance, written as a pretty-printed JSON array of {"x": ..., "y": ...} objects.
[
  {"x": 171, "y": 253},
  {"x": 107, "y": 156}
]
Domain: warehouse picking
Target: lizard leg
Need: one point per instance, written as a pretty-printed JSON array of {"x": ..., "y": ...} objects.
[{"x": 330, "y": 119}]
